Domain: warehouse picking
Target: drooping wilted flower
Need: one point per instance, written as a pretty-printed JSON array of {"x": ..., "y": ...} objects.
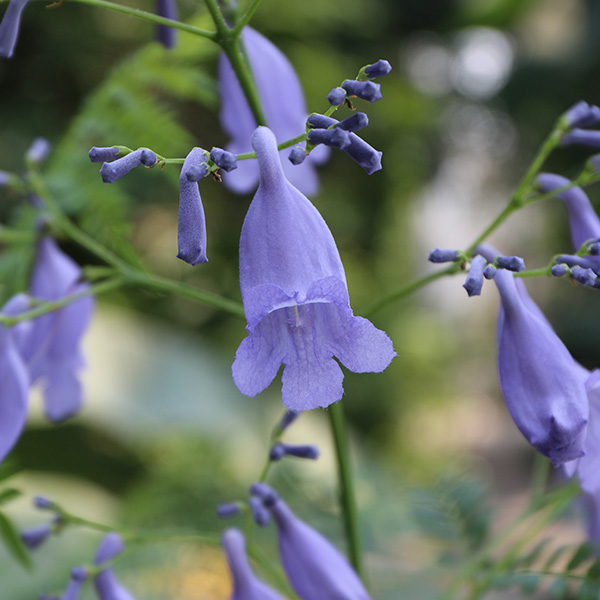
[
  {"x": 283, "y": 102},
  {"x": 296, "y": 298},
  {"x": 541, "y": 382},
  {"x": 9, "y": 27},
  {"x": 166, "y": 35},
  {"x": 246, "y": 586}
]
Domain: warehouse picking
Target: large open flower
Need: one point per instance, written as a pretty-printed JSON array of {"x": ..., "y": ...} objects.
[{"x": 296, "y": 298}]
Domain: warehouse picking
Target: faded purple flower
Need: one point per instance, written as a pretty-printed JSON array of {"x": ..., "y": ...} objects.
[
  {"x": 191, "y": 228},
  {"x": 296, "y": 298},
  {"x": 107, "y": 586},
  {"x": 541, "y": 383},
  {"x": 9, "y": 27},
  {"x": 583, "y": 220},
  {"x": 246, "y": 586},
  {"x": 166, "y": 35},
  {"x": 283, "y": 101},
  {"x": 314, "y": 567}
]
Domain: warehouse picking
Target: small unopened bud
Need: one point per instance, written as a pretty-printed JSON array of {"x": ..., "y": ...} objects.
[
  {"x": 226, "y": 511},
  {"x": 260, "y": 514},
  {"x": 265, "y": 492},
  {"x": 559, "y": 270},
  {"x": 379, "y": 69},
  {"x": 112, "y": 171},
  {"x": 354, "y": 123},
  {"x": 336, "y": 96},
  {"x": 223, "y": 159},
  {"x": 103, "y": 154},
  {"x": 489, "y": 272},
  {"x": 78, "y": 574},
  {"x": 277, "y": 452},
  {"x": 336, "y": 138},
  {"x": 474, "y": 281},
  {"x": 583, "y": 276},
  {"x": 367, "y": 90},
  {"x": 195, "y": 173},
  {"x": 594, "y": 249},
  {"x": 287, "y": 419},
  {"x": 441, "y": 255},
  {"x": 581, "y": 137},
  {"x": 38, "y": 151},
  {"x": 297, "y": 155},
  {"x": 582, "y": 115},
  {"x": 510, "y": 263},
  {"x": 305, "y": 451}
]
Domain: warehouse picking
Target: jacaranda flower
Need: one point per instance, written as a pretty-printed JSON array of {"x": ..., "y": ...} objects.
[
  {"x": 315, "y": 568},
  {"x": 541, "y": 382},
  {"x": 246, "y": 586},
  {"x": 296, "y": 298},
  {"x": 107, "y": 586},
  {"x": 14, "y": 386},
  {"x": 78, "y": 577},
  {"x": 283, "y": 102},
  {"x": 581, "y": 114},
  {"x": 9, "y": 27},
  {"x": 166, "y": 35}
]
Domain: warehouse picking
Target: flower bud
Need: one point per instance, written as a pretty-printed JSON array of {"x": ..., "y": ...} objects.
[
  {"x": 223, "y": 159},
  {"x": 265, "y": 492},
  {"x": 559, "y": 270},
  {"x": 582, "y": 115},
  {"x": 583, "y": 276},
  {"x": 441, "y": 255},
  {"x": 36, "y": 536},
  {"x": 259, "y": 513},
  {"x": 367, "y": 90},
  {"x": 582, "y": 137},
  {"x": 297, "y": 155},
  {"x": 489, "y": 272},
  {"x": 355, "y": 122},
  {"x": 112, "y": 171},
  {"x": 287, "y": 419},
  {"x": 226, "y": 511},
  {"x": 38, "y": 151},
  {"x": 336, "y": 96},
  {"x": 336, "y": 138},
  {"x": 107, "y": 154},
  {"x": 379, "y": 69},
  {"x": 474, "y": 280},
  {"x": 510, "y": 263}
]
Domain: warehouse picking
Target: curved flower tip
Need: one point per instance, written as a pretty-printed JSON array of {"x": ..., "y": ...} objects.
[
  {"x": 583, "y": 220},
  {"x": 283, "y": 102},
  {"x": 314, "y": 567},
  {"x": 191, "y": 227},
  {"x": 541, "y": 383},
  {"x": 9, "y": 27},
  {"x": 166, "y": 35},
  {"x": 246, "y": 586},
  {"x": 295, "y": 297}
]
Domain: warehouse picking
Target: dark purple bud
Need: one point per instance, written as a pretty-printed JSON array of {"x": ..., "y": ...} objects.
[
  {"x": 442, "y": 255},
  {"x": 319, "y": 121},
  {"x": 265, "y": 492},
  {"x": 474, "y": 281},
  {"x": 103, "y": 154},
  {"x": 277, "y": 452},
  {"x": 195, "y": 173},
  {"x": 582, "y": 137},
  {"x": 191, "y": 227},
  {"x": 594, "y": 249},
  {"x": 78, "y": 574},
  {"x": 582, "y": 115},
  {"x": 305, "y": 451},
  {"x": 510, "y": 263},
  {"x": 336, "y": 138},
  {"x": 259, "y": 513},
  {"x": 38, "y": 151},
  {"x": 489, "y": 272},
  {"x": 367, "y": 90},
  {"x": 287, "y": 419},
  {"x": 9, "y": 27},
  {"x": 354, "y": 123},
  {"x": 559, "y": 270},
  {"x": 297, "y": 155},
  {"x": 583, "y": 276},
  {"x": 36, "y": 536},
  {"x": 379, "y": 69},
  {"x": 572, "y": 260},
  {"x": 112, "y": 171},
  {"x": 166, "y": 35},
  {"x": 226, "y": 511},
  {"x": 43, "y": 503},
  {"x": 223, "y": 159},
  {"x": 336, "y": 96}
]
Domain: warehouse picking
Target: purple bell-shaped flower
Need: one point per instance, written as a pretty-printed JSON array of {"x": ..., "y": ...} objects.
[
  {"x": 9, "y": 27},
  {"x": 541, "y": 382},
  {"x": 107, "y": 585},
  {"x": 246, "y": 586},
  {"x": 283, "y": 101},
  {"x": 296, "y": 297}
]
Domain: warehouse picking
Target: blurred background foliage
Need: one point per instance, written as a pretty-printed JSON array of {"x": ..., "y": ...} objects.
[{"x": 164, "y": 435}]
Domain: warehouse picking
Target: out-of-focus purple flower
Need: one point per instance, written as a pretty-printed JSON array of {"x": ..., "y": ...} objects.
[
  {"x": 260, "y": 514},
  {"x": 358, "y": 150},
  {"x": 14, "y": 387},
  {"x": 50, "y": 344},
  {"x": 583, "y": 220},
  {"x": 287, "y": 419},
  {"x": 107, "y": 586},
  {"x": 489, "y": 272},
  {"x": 36, "y": 536},
  {"x": 42, "y": 503},
  {"x": 474, "y": 280},
  {"x": 166, "y": 35},
  {"x": 378, "y": 69},
  {"x": 246, "y": 586},
  {"x": 78, "y": 577},
  {"x": 296, "y": 298},
  {"x": 191, "y": 227},
  {"x": 279, "y": 450},
  {"x": 582, "y": 115},
  {"x": 336, "y": 96},
  {"x": 111, "y": 171},
  {"x": 283, "y": 101},
  {"x": 367, "y": 90},
  {"x": 226, "y": 511},
  {"x": 38, "y": 151},
  {"x": 9, "y": 27},
  {"x": 314, "y": 567},
  {"x": 441, "y": 255},
  {"x": 541, "y": 383},
  {"x": 581, "y": 137}
]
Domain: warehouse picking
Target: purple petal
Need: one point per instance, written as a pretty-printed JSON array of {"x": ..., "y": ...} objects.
[
  {"x": 111, "y": 545},
  {"x": 9, "y": 27},
  {"x": 108, "y": 588}
]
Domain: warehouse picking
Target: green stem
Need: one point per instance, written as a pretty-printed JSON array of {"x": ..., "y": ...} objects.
[
  {"x": 509, "y": 209},
  {"x": 147, "y": 16},
  {"x": 245, "y": 19},
  {"x": 11, "y": 236},
  {"x": 411, "y": 287},
  {"x": 347, "y": 497}
]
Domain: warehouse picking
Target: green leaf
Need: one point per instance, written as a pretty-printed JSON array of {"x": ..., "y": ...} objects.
[
  {"x": 9, "y": 494},
  {"x": 583, "y": 553},
  {"x": 529, "y": 559},
  {"x": 12, "y": 540},
  {"x": 593, "y": 572},
  {"x": 587, "y": 591},
  {"x": 7, "y": 469},
  {"x": 559, "y": 588},
  {"x": 555, "y": 556}
]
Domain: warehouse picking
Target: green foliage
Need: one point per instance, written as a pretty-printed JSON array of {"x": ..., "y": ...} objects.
[{"x": 12, "y": 540}]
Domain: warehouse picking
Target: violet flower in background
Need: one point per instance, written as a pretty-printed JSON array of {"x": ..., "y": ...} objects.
[
  {"x": 166, "y": 35},
  {"x": 106, "y": 584},
  {"x": 582, "y": 114},
  {"x": 285, "y": 108},
  {"x": 583, "y": 220},
  {"x": 541, "y": 382},
  {"x": 9, "y": 27},
  {"x": 73, "y": 591},
  {"x": 296, "y": 298},
  {"x": 246, "y": 586}
]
